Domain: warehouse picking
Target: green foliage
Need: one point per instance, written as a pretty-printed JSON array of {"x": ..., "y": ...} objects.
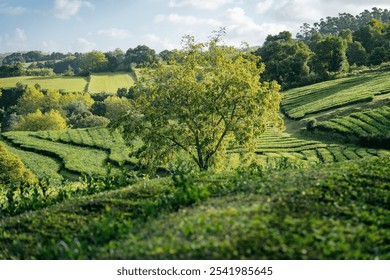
[
  {"x": 12, "y": 169},
  {"x": 17, "y": 198},
  {"x": 187, "y": 192},
  {"x": 116, "y": 107},
  {"x": 311, "y": 124},
  {"x": 356, "y": 54},
  {"x": 141, "y": 56},
  {"x": 330, "y": 56},
  {"x": 328, "y": 213},
  {"x": 286, "y": 60},
  {"x": 51, "y": 120},
  {"x": 94, "y": 61},
  {"x": 200, "y": 104}
]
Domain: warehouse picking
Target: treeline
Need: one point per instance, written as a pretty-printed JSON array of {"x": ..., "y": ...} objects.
[
  {"x": 334, "y": 46},
  {"x": 32, "y": 109},
  {"x": 36, "y": 63},
  {"x": 321, "y": 51}
]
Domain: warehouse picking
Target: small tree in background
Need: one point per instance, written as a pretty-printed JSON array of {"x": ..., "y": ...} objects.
[
  {"x": 206, "y": 102},
  {"x": 38, "y": 121}
]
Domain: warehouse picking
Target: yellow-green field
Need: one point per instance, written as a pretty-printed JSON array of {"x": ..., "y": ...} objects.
[
  {"x": 78, "y": 84},
  {"x": 109, "y": 82},
  {"x": 96, "y": 83}
]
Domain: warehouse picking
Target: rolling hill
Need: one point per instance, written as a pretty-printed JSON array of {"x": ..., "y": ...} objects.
[{"x": 310, "y": 195}]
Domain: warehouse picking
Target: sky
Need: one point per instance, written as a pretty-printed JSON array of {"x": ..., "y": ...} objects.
[{"x": 104, "y": 25}]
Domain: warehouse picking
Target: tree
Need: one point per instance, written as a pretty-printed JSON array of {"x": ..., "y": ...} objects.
[
  {"x": 201, "y": 105},
  {"x": 142, "y": 56},
  {"x": 94, "y": 61},
  {"x": 330, "y": 56},
  {"x": 38, "y": 121},
  {"x": 116, "y": 107},
  {"x": 115, "y": 59},
  {"x": 31, "y": 100},
  {"x": 356, "y": 54},
  {"x": 286, "y": 61},
  {"x": 12, "y": 168}
]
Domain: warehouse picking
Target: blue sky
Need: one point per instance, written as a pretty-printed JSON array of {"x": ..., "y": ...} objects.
[{"x": 85, "y": 25}]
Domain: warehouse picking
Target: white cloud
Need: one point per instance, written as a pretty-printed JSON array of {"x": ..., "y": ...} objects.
[
  {"x": 64, "y": 9},
  {"x": 16, "y": 41},
  {"x": 264, "y": 6},
  {"x": 187, "y": 20},
  {"x": 300, "y": 11},
  {"x": 10, "y": 10},
  {"x": 200, "y": 4},
  {"x": 83, "y": 45},
  {"x": 158, "y": 43},
  {"x": 50, "y": 46},
  {"x": 115, "y": 33},
  {"x": 242, "y": 28}
]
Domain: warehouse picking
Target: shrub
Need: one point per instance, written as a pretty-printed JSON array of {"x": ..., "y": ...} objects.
[
  {"x": 37, "y": 121},
  {"x": 311, "y": 124},
  {"x": 12, "y": 168}
]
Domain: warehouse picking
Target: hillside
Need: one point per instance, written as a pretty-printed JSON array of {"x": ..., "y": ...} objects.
[{"x": 312, "y": 194}]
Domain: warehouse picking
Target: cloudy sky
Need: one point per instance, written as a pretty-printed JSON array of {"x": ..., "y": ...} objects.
[{"x": 85, "y": 25}]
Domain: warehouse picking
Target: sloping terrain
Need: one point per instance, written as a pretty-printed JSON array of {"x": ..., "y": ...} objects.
[{"x": 308, "y": 196}]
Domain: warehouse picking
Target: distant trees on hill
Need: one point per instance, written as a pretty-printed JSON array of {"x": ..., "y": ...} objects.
[
  {"x": 327, "y": 48},
  {"x": 320, "y": 51}
]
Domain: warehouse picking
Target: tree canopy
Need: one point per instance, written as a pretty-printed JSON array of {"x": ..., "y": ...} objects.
[{"x": 206, "y": 101}]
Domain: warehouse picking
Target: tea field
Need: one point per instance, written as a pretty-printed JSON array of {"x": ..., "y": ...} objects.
[
  {"x": 317, "y": 193},
  {"x": 370, "y": 127},
  {"x": 300, "y": 102}
]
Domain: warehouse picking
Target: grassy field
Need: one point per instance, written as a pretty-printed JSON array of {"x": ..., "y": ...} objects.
[
  {"x": 300, "y": 102},
  {"x": 109, "y": 82},
  {"x": 95, "y": 83},
  {"x": 69, "y": 84}
]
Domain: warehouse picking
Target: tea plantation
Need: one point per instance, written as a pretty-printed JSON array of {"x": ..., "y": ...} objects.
[{"x": 318, "y": 191}]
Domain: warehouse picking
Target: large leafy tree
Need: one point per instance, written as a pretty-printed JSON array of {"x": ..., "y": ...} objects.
[{"x": 209, "y": 100}]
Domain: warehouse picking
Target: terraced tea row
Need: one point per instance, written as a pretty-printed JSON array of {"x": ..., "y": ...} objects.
[
  {"x": 299, "y": 102},
  {"x": 75, "y": 159},
  {"x": 370, "y": 126},
  {"x": 100, "y": 138},
  {"x": 274, "y": 147},
  {"x": 42, "y": 166}
]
